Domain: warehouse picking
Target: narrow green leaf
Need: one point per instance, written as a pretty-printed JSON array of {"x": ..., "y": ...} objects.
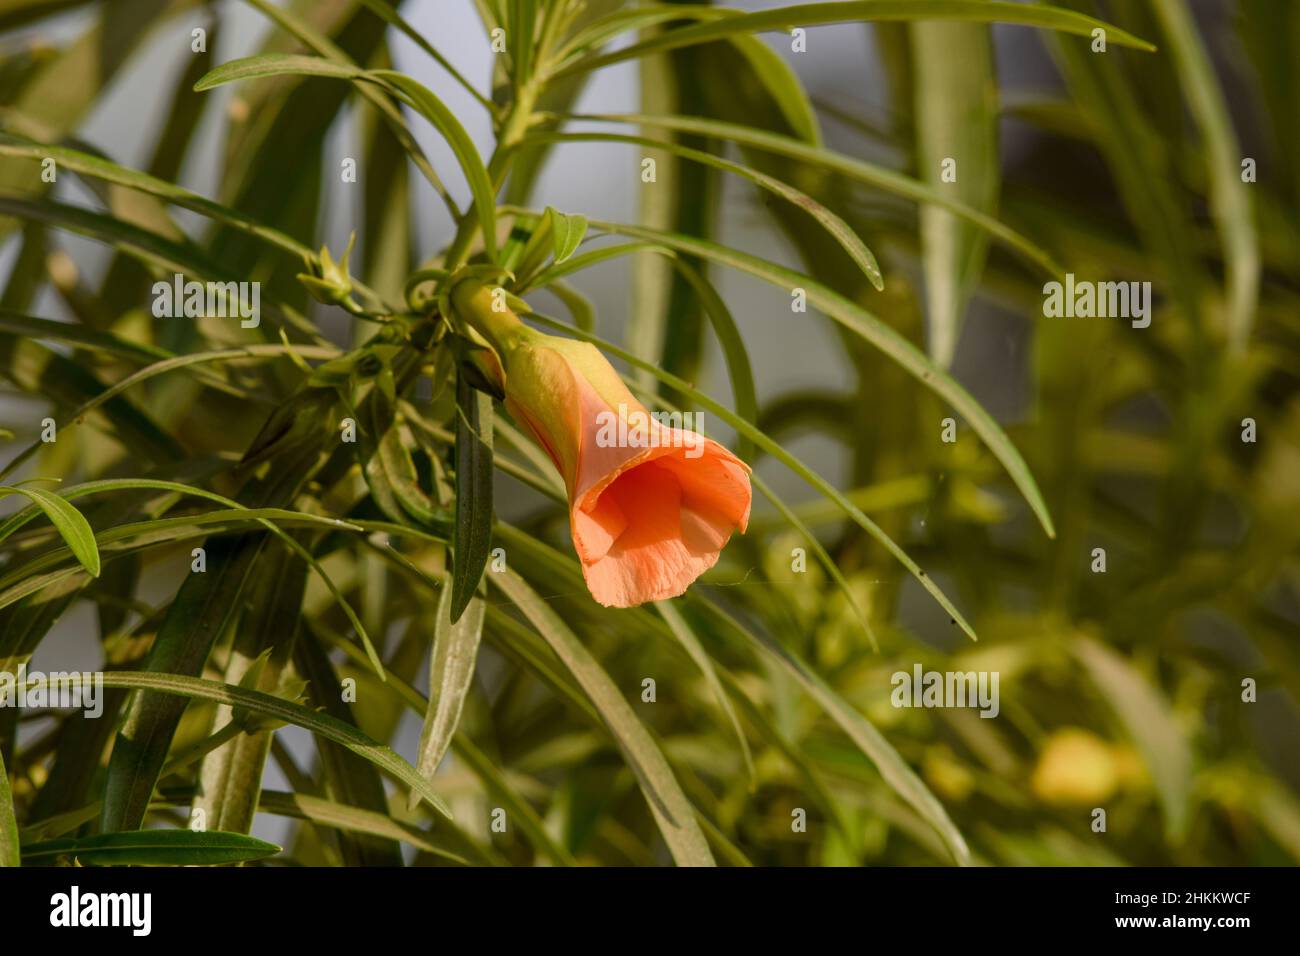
[
  {"x": 386, "y": 461},
  {"x": 153, "y": 250},
  {"x": 1230, "y": 200},
  {"x": 472, "y": 539},
  {"x": 451, "y": 672},
  {"x": 279, "y": 709},
  {"x": 230, "y": 776},
  {"x": 343, "y": 817},
  {"x": 839, "y": 229},
  {"x": 471, "y": 164},
  {"x": 9, "y": 853},
  {"x": 275, "y": 64},
  {"x": 671, "y": 809},
  {"x": 72, "y": 527},
  {"x": 1147, "y": 718},
  {"x": 198, "y": 615},
  {"x": 494, "y": 781},
  {"x": 867, "y": 11},
  {"x": 79, "y": 335},
  {"x": 411, "y": 91},
  {"x": 24, "y": 580},
  {"x": 686, "y": 637},
  {"x": 263, "y": 516},
  {"x": 734, "y": 353},
  {"x": 385, "y": 12},
  {"x": 349, "y": 777},
  {"x": 956, "y": 120},
  {"x": 782, "y": 83},
  {"x": 603, "y": 29},
  {"x": 106, "y": 170},
  {"x": 154, "y": 848},
  {"x": 160, "y": 368},
  {"x": 313, "y": 39},
  {"x": 579, "y": 306},
  {"x": 868, "y": 173},
  {"x": 66, "y": 86},
  {"x": 893, "y": 769},
  {"x": 823, "y": 557}
]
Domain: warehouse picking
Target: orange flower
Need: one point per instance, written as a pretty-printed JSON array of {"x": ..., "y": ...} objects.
[{"x": 650, "y": 505}]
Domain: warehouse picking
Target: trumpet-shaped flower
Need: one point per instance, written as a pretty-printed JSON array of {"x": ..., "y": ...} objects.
[{"x": 650, "y": 505}]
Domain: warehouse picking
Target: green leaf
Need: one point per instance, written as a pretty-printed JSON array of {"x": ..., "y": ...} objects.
[
  {"x": 349, "y": 777},
  {"x": 24, "y": 580},
  {"x": 39, "y": 370},
  {"x": 78, "y": 334},
  {"x": 230, "y": 776},
  {"x": 386, "y": 461},
  {"x": 566, "y": 233},
  {"x": 1140, "y": 163},
  {"x": 472, "y": 538},
  {"x": 160, "y": 368},
  {"x": 385, "y": 12},
  {"x": 199, "y": 614},
  {"x": 279, "y": 709},
  {"x": 579, "y": 306},
  {"x": 66, "y": 86},
  {"x": 9, "y": 854},
  {"x": 868, "y": 173},
  {"x": 1148, "y": 719},
  {"x": 823, "y": 557},
  {"x": 734, "y": 352},
  {"x": 411, "y": 91},
  {"x": 956, "y": 119},
  {"x": 841, "y": 231},
  {"x": 312, "y": 38},
  {"x": 451, "y": 672},
  {"x": 471, "y": 164},
  {"x": 782, "y": 83},
  {"x": 155, "y": 251},
  {"x": 686, "y": 637},
  {"x": 1230, "y": 200},
  {"x": 868, "y": 11},
  {"x": 154, "y": 848},
  {"x": 605, "y": 28},
  {"x": 343, "y": 817},
  {"x": 494, "y": 781},
  {"x": 893, "y": 769},
  {"x": 67, "y": 520},
  {"x": 263, "y": 516},
  {"x": 671, "y": 809},
  {"x": 276, "y": 64}
]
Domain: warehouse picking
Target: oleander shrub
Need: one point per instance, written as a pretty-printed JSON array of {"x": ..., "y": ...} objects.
[{"x": 342, "y": 526}]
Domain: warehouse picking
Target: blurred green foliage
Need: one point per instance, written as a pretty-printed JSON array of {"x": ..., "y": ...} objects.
[{"x": 1175, "y": 448}]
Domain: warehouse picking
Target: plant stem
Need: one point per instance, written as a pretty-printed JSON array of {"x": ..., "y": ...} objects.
[{"x": 512, "y": 132}]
